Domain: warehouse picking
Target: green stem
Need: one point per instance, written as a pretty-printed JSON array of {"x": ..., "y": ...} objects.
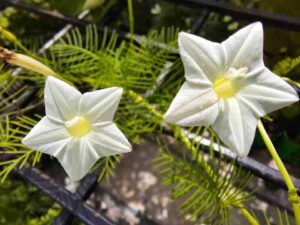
[
  {"x": 248, "y": 216},
  {"x": 131, "y": 18},
  {"x": 293, "y": 197}
]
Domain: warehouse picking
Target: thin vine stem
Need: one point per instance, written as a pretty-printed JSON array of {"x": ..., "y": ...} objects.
[
  {"x": 293, "y": 197},
  {"x": 248, "y": 216},
  {"x": 130, "y": 18}
]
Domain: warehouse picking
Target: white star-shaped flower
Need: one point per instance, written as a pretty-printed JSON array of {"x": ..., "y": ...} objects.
[
  {"x": 228, "y": 86},
  {"x": 78, "y": 128}
]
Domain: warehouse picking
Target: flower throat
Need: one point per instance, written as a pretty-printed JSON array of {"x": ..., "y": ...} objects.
[
  {"x": 78, "y": 126},
  {"x": 226, "y": 86}
]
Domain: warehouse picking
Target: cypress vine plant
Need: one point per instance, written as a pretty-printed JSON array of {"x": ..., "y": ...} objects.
[{"x": 150, "y": 72}]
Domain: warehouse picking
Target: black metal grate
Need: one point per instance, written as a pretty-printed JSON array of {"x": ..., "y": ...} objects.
[{"x": 74, "y": 203}]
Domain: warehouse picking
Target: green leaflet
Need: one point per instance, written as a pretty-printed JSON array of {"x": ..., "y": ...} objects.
[{"x": 286, "y": 66}]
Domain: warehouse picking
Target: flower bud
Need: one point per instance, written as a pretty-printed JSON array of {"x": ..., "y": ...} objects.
[
  {"x": 25, "y": 62},
  {"x": 8, "y": 35}
]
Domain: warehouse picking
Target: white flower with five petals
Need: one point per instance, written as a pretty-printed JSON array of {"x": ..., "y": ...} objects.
[
  {"x": 228, "y": 86},
  {"x": 78, "y": 128}
]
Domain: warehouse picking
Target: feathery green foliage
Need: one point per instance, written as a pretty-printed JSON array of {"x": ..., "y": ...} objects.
[
  {"x": 286, "y": 66},
  {"x": 107, "y": 165},
  {"x": 13, "y": 153},
  {"x": 208, "y": 187},
  {"x": 11, "y": 93}
]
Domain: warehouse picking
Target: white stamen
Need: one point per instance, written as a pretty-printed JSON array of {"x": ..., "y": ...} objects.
[
  {"x": 72, "y": 122},
  {"x": 234, "y": 73}
]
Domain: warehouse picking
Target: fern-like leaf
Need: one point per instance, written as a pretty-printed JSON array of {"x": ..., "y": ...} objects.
[
  {"x": 14, "y": 154},
  {"x": 207, "y": 195},
  {"x": 286, "y": 66}
]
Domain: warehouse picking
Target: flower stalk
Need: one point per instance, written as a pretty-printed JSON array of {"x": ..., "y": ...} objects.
[
  {"x": 130, "y": 18},
  {"x": 293, "y": 197},
  {"x": 248, "y": 216}
]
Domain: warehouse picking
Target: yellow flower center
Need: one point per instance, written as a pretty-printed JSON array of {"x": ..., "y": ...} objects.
[
  {"x": 78, "y": 126},
  {"x": 226, "y": 86}
]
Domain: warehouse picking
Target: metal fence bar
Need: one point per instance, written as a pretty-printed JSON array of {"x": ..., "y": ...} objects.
[
  {"x": 59, "y": 194},
  {"x": 58, "y": 16},
  {"x": 250, "y": 15},
  {"x": 249, "y": 164},
  {"x": 200, "y": 22},
  {"x": 113, "y": 14},
  {"x": 45, "y": 12},
  {"x": 272, "y": 200},
  {"x": 83, "y": 192}
]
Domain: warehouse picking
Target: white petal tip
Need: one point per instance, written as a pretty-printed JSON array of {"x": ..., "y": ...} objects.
[
  {"x": 183, "y": 34},
  {"x": 167, "y": 118},
  {"x": 76, "y": 179},
  {"x": 51, "y": 79},
  {"x": 257, "y": 26},
  {"x": 24, "y": 141},
  {"x": 117, "y": 91},
  {"x": 296, "y": 97},
  {"x": 241, "y": 153},
  {"x": 128, "y": 148},
  {"x": 184, "y": 37},
  {"x": 170, "y": 120}
]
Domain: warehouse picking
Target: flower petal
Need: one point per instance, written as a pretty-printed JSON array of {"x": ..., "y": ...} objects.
[
  {"x": 203, "y": 60},
  {"x": 266, "y": 92},
  {"x": 47, "y": 137},
  {"x": 77, "y": 158},
  {"x": 236, "y": 127},
  {"x": 245, "y": 47},
  {"x": 61, "y": 100},
  {"x": 100, "y": 106},
  {"x": 193, "y": 106},
  {"x": 108, "y": 140}
]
